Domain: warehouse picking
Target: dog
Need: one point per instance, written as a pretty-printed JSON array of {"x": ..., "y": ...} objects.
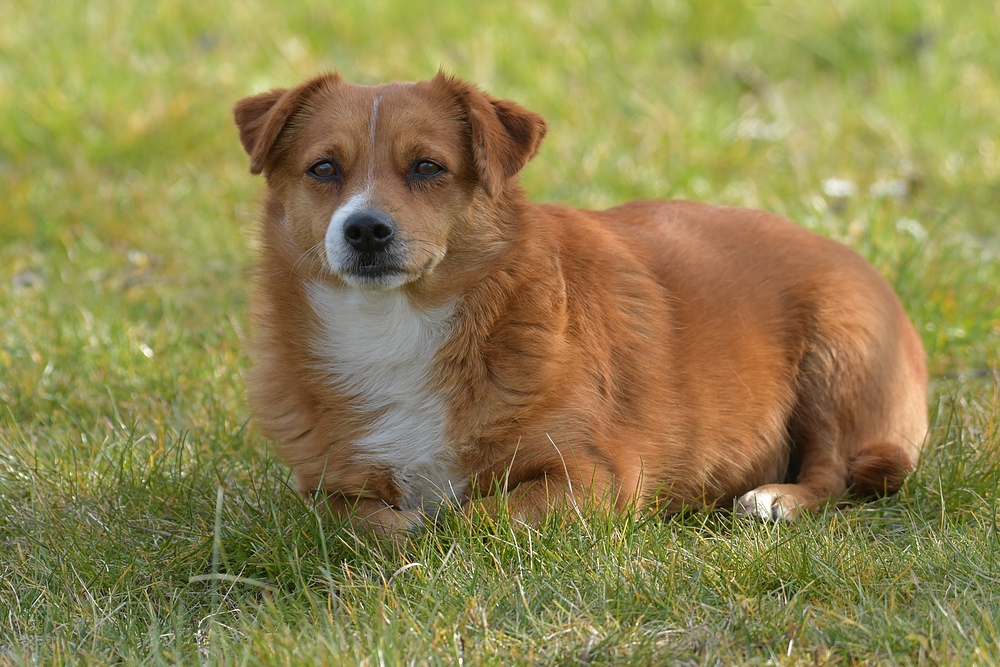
[{"x": 425, "y": 336}]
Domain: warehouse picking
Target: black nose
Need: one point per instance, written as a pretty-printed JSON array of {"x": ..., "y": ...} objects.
[{"x": 369, "y": 231}]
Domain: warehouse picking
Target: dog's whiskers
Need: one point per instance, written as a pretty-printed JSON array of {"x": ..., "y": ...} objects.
[
  {"x": 315, "y": 249},
  {"x": 432, "y": 248}
]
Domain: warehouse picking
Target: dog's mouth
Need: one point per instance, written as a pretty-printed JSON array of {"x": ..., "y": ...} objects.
[
  {"x": 377, "y": 272},
  {"x": 385, "y": 270}
]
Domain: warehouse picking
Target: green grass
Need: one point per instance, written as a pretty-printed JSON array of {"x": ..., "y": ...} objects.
[{"x": 142, "y": 519}]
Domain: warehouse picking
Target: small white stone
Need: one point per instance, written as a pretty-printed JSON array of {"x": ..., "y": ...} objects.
[
  {"x": 912, "y": 227},
  {"x": 897, "y": 188},
  {"x": 840, "y": 188}
]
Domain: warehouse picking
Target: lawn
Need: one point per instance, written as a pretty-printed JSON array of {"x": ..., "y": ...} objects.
[{"x": 142, "y": 518}]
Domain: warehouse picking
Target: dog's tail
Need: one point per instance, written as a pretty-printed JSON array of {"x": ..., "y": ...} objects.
[{"x": 879, "y": 469}]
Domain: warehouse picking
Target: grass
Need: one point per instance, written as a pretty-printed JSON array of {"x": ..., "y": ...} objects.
[{"x": 142, "y": 519}]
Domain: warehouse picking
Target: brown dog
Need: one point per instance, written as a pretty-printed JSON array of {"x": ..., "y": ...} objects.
[{"x": 423, "y": 334}]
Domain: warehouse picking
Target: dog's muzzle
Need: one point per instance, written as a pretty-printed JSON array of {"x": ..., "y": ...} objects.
[{"x": 370, "y": 251}]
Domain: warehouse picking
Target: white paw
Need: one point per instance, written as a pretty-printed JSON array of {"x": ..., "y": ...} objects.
[{"x": 766, "y": 504}]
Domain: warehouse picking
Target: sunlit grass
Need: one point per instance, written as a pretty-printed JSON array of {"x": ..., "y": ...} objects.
[{"x": 142, "y": 519}]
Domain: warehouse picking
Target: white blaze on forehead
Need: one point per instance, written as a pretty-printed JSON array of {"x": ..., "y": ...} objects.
[{"x": 371, "y": 137}]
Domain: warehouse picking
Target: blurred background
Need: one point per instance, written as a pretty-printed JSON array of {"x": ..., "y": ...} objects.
[{"x": 142, "y": 517}]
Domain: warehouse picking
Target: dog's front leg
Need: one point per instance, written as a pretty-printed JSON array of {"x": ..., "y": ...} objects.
[
  {"x": 372, "y": 514},
  {"x": 532, "y": 499}
]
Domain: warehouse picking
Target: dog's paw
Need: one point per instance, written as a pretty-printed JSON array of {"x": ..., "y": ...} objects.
[
  {"x": 767, "y": 503},
  {"x": 392, "y": 522}
]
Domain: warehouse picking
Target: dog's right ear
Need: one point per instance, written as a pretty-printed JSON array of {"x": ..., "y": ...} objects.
[{"x": 261, "y": 118}]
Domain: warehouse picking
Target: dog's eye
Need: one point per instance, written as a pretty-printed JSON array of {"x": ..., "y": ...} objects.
[
  {"x": 427, "y": 168},
  {"x": 324, "y": 171}
]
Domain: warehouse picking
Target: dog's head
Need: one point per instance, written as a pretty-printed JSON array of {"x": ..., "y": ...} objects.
[{"x": 385, "y": 179}]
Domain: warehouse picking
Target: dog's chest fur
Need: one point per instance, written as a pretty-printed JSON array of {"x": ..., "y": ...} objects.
[{"x": 379, "y": 350}]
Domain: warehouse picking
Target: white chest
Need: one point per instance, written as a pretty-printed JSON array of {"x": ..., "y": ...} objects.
[{"x": 379, "y": 349}]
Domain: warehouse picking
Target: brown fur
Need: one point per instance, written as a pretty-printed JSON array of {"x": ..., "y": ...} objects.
[{"x": 669, "y": 353}]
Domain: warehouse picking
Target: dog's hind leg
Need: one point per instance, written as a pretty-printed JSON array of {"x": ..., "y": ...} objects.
[
  {"x": 888, "y": 448},
  {"x": 822, "y": 474},
  {"x": 858, "y": 425}
]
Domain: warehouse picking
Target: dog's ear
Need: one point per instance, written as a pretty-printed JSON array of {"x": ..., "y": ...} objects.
[
  {"x": 261, "y": 118},
  {"x": 505, "y": 135}
]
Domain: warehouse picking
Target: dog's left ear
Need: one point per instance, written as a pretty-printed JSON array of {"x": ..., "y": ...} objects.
[
  {"x": 505, "y": 135},
  {"x": 261, "y": 118}
]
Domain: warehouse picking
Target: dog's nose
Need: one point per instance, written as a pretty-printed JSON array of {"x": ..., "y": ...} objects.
[{"x": 369, "y": 231}]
